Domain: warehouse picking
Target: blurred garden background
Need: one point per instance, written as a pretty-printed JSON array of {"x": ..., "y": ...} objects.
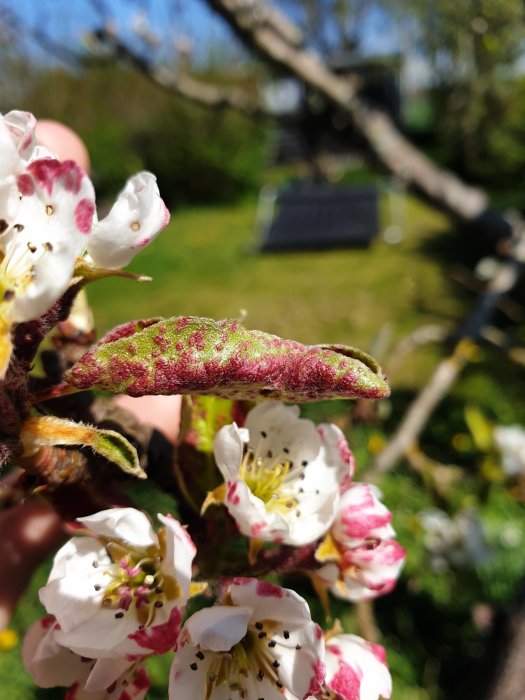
[{"x": 451, "y": 77}]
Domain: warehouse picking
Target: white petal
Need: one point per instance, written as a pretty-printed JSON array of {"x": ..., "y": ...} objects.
[
  {"x": 271, "y": 602},
  {"x": 49, "y": 663},
  {"x": 334, "y": 458},
  {"x": 189, "y": 674},
  {"x": 105, "y": 672},
  {"x": 300, "y": 670},
  {"x": 186, "y": 682},
  {"x": 251, "y": 515},
  {"x": 99, "y": 635},
  {"x": 180, "y": 552},
  {"x": 136, "y": 218},
  {"x": 9, "y": 205},
  {"x": 10, "y": 160},
  {"x": 21, "y": 126},
  {"x": 70, "y": 594},
  {"x": 270, "y": 413},
  {"x": 228, "y": 449},
  {"x": 42, "y": 152},
  {"x": 317, "y": 511},
  {"x": 128, "y": 525},
  {"x": 218, "y": 628},
  {"x": 157, "y": 639},
  {"x": 286, "y": 433}
]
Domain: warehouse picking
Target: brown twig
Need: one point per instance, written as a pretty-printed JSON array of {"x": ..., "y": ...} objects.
[{"x": 366, "y": 621}]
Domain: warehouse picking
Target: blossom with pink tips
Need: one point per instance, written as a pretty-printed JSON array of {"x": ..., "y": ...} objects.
[
  {"x": 360, "y": 558},
  {"x": 261, "y": 642},
  {"x": 361, "y": 516},
  {"x": 121, "y": 589}
]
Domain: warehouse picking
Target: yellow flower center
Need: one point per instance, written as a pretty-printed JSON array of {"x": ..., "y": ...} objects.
[
  {"x": 138, "y": 581},
  {"x": 266, "y": 477},
  {"x": 256, "y": 655}
]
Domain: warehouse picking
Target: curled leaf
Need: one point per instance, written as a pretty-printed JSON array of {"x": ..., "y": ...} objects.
[
  {"x": 189, "y": 355},
  {"x": 48, "y": 431}
]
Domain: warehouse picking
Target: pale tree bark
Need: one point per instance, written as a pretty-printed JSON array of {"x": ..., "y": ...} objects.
[{"x": 255, "y": 26}]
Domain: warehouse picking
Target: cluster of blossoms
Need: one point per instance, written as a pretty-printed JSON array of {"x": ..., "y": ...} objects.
[{"x": 117, "y": 592}]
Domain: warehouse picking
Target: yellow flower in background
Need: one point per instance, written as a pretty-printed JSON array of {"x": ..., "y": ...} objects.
[{"x": 8, "y": 639}]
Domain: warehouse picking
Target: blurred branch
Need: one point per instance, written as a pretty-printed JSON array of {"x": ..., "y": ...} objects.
[
  {"x": 422, "y": 408},
  {"x": 181, "y": 83},
  {"x": 514, "y": 311},
  {"x": 423, "y": 335},
  {"x": 366, "y": 621},
  {"x": 450, "y": 368}
]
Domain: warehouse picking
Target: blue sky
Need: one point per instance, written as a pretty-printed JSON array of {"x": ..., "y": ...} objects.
[{"x": 66, "y": 21}]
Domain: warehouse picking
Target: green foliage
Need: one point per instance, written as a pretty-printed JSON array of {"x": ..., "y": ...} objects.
[
  {"x": 129, "y": 124},
  {"x": 202, "y": 156}
]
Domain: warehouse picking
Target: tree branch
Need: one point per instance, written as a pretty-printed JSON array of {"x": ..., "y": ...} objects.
[
  {"x": 181, "y": 83},
  {"x": 389, "y": 145}
]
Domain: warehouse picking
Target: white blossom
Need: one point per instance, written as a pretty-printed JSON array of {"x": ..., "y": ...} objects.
[
  {"x": 120, "y": 590},
  {"x": 260, "y": 643},
  {"x": 282, "y": 474}
]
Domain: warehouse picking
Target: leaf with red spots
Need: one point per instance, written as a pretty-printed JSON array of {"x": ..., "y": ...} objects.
[{"x": 189, "y": 355}]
